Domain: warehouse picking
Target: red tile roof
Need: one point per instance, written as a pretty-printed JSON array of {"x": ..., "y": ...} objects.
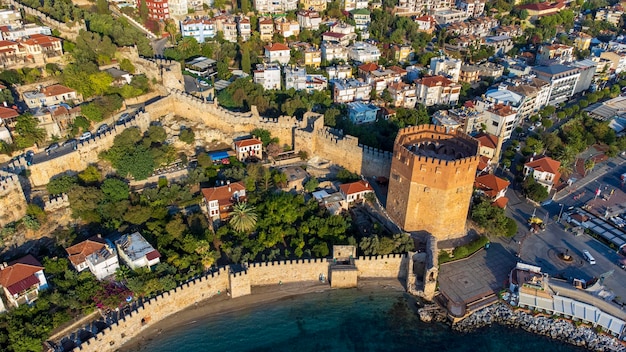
[
  {"x": 6, "y": 113},
  {"x": 483, "y": 163},
  {"x": 153, "y": 255},
  {"x": 501, "y": 202},
  {"x": 544, "y": 164},
  {"x": 502, "y": 110},
  {"x": 369, "y": 67},
  {"x": 355, "y": 187},
  {"x": 56, "y": 89},
  {"x": 487, "y": 140},
  {"x": 247, "y": 142},
  {"x": 276, "y": 47},
  {"x": 432, "y": 81},
  {"x": 222, "y": 194},
  {"x": 19, "y": 276},
  {"x": 41, "y": 39},
  {"x": 78, "y": 253},
  {"x": 490, "y": 184}
]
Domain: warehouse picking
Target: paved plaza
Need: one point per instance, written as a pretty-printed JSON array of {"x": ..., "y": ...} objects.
[{"x": 478, "y": 276}]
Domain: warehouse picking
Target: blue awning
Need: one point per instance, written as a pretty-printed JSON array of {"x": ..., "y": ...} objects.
[{"x": 216, "y": 156}]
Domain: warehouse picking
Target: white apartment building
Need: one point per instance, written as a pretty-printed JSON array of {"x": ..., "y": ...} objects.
[
  {"x": 562, "y": 79},
  {"x": 448, "y": 16},
  {"x": 10, "y": 18},
  {"x": 268, "y": 76},
  {"x": 309, "y": 20},
  {"x": 332, "y": 51},
  {"x": 363, "y": 52},
  {"x": 275, "y": 6},
  {"x": 618, "y": 60},
  {"x": 500, "y": 120},
  {"x": 448, "y": 67},
  {"x": 277, "y": 52},
  {"x": 16, "y": 33},
  {"x": 201, "y": 29},
  {"x": 243, "y": 27},
  {"x": 420, "y": 7},
  {"x": 178, "y": 8},
  {"x": 473, "y": 8},
  {"x": 349, "y": 5},
  {"x": 435, "y": 90},
  {"x": 404, "y": 95},
  {"x": 345, "y": 91},
  {"x": 266, "y": 29},
  {"x": 298, "y": 79},
  {"x": 339, "y": 72},
  {"x": 136, "y": 252}
]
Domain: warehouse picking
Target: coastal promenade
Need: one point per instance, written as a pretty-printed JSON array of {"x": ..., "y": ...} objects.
[{"x": 224, "y": 282}]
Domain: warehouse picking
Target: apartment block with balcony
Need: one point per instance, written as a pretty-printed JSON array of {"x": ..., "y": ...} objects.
[
  {"x": 298, "y": 79},
  {"x": 266, "y": 29},
  {"x": 334, "y": 51},
  {"x": 403, "y": 95},
  {"x": 562, "y": 79},
  {"x": 275, "y": 6},
  {"x": 243, "y": 27},
  {"x": 437, "y": 90},
  {"x": 200, "y": 29},
  {"x": 315, "y": 5},
  {"x": 363, "y": 52},
  {"x": 345, "y": 91},
  {"x": 157, "y": 9},
  {"x": 268, "y": 76},
  {"x": 308, "y": 19}
]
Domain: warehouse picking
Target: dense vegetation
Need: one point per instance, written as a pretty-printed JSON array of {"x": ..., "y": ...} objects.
[{"x": 492, "y": 218}]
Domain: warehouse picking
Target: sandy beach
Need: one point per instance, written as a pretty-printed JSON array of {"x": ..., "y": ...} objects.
[{"x": 260, "y": 295}]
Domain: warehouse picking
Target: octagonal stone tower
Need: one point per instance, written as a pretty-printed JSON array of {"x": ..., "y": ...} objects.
[{"x": 431, "y": 180}]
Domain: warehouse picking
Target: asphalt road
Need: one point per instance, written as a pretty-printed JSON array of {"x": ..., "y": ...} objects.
[{"x": 542, "y": 249}]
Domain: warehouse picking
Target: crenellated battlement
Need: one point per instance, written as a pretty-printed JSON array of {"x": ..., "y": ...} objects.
[
  {"x": 382, "y": 257},
  {"x": 287, "y": 262}
]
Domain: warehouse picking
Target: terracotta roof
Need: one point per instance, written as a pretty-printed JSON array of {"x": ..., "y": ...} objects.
[
  {"x": 334, "y": 34},
  {"x": 483, "y": 163},
  {"x": 7, "y": 113},
  {"x": 355, "y": 187},
  {"x": 501, "y": 202},
  {"x": 426, "y": 19},
  {"x": 222, "y": 194},
  {"x": 276, "y": 47},
  {"x": 542, "y": 6},
  {"x": 267, "y": 21},
  {"x": 247, "y": 142},
  {"x": 490, "y": 184},
  {"x": 41, "y": 39},
  {"x": 432, "y": 81},
  {"x": 397, "y": 69},
  {"x": 487, "y": 140},
  {"x": 153, "y": 255},
  {"x": 78, "y": 253},
  {"x": 7, "y": 43},
  {"x": 369, "y": 67},
  {"x": 56, "y": 89},
  {"x": 545, "y": 164},
  {"x": 19, "y": 275}
]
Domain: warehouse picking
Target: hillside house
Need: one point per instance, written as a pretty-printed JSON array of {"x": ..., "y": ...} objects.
[
  {"x": 50, "y": 95},
  {"x": 355, "y": 192},
  {"x": 94, "y": 254},
  {"x": 544, "y": 170},
  {"x": 136, "y": 252},
  {"x": 494, "y": 188},
  {"x": 247, "y": 148},
  {"x": 22, "y": 280},
  {"x": 218, "y": 201},
  {"x": 278, "y": 53}
]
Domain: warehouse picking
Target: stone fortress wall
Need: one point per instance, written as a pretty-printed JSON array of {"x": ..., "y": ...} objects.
[
  {"x": 237, "y": 284},
  {"x": 431, "y": 180},
  {"x": 12, "y": 200}
]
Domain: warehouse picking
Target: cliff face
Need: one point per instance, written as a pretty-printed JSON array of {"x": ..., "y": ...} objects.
[{"x": 12, "y": 199}]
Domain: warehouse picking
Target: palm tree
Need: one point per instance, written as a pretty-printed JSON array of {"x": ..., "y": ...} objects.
[{"x": 243, "y": 218}]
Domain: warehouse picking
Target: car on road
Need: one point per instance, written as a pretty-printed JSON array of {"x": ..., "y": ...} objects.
[
  {"x": 102, "y": 129},
  {"x": 29, "y": 157},
  {"x": 70, "y": 142},
  {"x": 531, "y": 128},
  {"x": 538, "y": 124},
  {"x": 52, "y": 147},
  {"x": 125, "y": 117},
  {"x": 85, "y": 136}
]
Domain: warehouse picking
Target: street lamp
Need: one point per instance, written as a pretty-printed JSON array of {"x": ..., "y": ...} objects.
[{"x": 560, "y": 213}]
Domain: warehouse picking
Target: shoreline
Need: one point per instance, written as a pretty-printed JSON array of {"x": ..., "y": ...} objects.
[
  {"x": 223, "y": 304},
  {"x": 557, "y": 329}
]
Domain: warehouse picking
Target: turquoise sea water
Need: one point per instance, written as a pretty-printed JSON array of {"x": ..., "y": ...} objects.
[{"x": 340, "y": 320}]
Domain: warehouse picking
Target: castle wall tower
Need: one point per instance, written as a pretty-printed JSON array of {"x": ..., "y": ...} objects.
[{"x": 431, "y": 180}]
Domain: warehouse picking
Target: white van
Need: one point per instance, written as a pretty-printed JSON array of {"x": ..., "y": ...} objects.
[{"x": 588, "y": 257}]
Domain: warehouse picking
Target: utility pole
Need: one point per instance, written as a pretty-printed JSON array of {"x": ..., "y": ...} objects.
[{"x": 560, "y": 213}]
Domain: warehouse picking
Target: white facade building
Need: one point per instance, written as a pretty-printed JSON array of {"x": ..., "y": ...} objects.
[
  {"x": 278, "y": 53},
  {"x": 450, "y": 68},
  {"x": 275, "y": 6},
  {"x": 136, "y": 252},
  {"x": 298, "y": 79},
  {"x": 268, "y": 76},
  {"x": 345, "y": 91},
  {"x": 363, "y": 52}
]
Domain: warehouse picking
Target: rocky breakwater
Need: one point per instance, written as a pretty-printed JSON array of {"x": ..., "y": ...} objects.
[{"x": 559, "y": 329}]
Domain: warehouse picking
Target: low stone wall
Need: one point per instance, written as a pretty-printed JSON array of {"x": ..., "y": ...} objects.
[
  {"x": 156, "y": 309},
  {"x": 237, "y": 284},
  {"x": 558, "y": 329}
]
